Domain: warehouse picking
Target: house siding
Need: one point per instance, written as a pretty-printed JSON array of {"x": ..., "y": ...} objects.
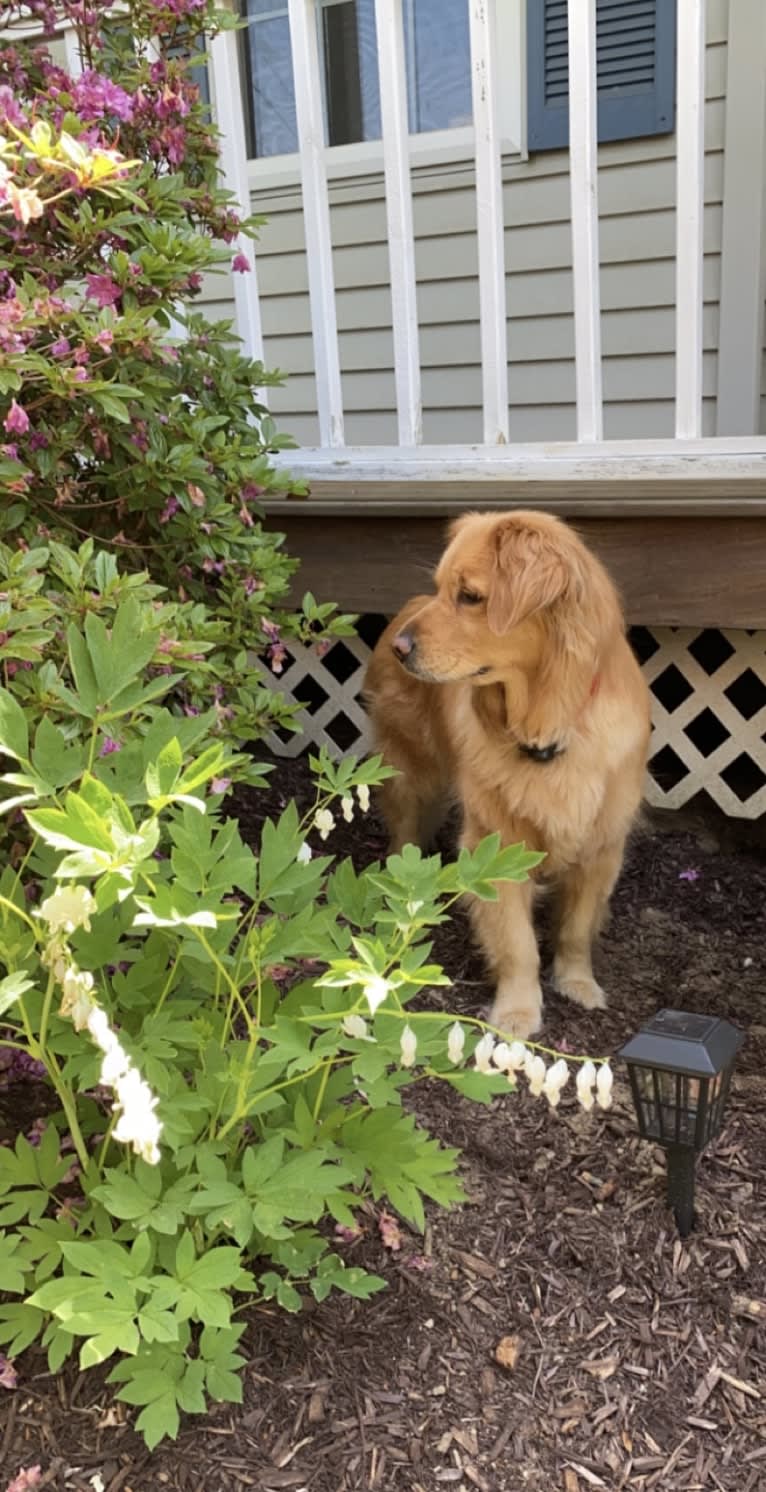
[{"x": 637, "y": 248}]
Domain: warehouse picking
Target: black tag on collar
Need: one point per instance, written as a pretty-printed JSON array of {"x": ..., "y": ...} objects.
[{"x": 541, "y": 753}]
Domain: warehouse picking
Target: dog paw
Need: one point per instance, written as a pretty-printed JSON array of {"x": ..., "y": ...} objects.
[
  {"x": 517, "y": 1021},
  {"x": 582, "y": 989}
]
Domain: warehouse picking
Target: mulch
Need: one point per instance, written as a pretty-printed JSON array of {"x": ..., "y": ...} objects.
[{"x": 554, "y": 1333}]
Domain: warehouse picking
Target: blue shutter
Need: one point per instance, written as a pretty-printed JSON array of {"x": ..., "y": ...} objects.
[{"x": 635, "y": 59}]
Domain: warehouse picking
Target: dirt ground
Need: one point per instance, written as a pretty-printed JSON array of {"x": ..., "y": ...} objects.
[{"x": 630, "y": 1360}]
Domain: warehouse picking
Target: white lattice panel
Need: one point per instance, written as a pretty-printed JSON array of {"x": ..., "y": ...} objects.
[
  {"x": 340, "y": 710},
  {"x": 733, "y": 772},
  {"x": 709, "y": 691}
]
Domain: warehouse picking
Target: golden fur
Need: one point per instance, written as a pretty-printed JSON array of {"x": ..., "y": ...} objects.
[{"x": 540, "y": 658}]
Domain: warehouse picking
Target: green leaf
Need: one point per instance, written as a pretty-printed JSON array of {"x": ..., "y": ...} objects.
[
  {"x": 159, "y": 1419},
  {"x": 12, "y": 987},
  {"x": 14, "y": 737}
]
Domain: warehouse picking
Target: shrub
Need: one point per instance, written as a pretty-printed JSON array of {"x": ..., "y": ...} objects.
[
  {"x": 127, "y": 415},
  {"x": 226, "y": 1035}
]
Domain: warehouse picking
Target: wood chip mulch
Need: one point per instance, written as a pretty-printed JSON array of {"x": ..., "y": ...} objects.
[{"x": 554, "y": 1333}]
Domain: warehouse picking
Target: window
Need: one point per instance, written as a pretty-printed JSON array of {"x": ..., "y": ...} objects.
[
  {"x": 437, "y": 54},
  {"x": 635, "y": 68}
]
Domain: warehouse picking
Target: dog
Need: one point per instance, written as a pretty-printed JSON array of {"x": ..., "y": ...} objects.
[{"x": 514, "y": 690}]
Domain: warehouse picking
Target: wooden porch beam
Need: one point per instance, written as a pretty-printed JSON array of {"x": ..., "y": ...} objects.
[{"x": 671, "y": 571}]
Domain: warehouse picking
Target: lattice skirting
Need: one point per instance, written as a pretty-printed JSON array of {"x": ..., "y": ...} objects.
[{"x": 709, "y": 691}]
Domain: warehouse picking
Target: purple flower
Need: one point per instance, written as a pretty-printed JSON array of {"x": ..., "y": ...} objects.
[
  {"x": 220, "y": 784},
  {"x": 105, "y": 339},
  {"x": 170, "y": 509},
  {"x": 109, "y": 746},
  {"x": 277, "y": 655},
  {"x": 79, "y": 375},
  {"x": 10, "y": 113},
  {"x": 61, "y": 348},
  {"x": 11, "y": 451},
  {"x": 241, "y": 264},
  {"x": 8, "y": 1375},
  {"x": 271, "y": 629},
  {"x": 689, "y": 875},
  {"x": 96, "y": 95},
  {"x": 102, "y": 289},
  {"x": 17, "y": 420}
]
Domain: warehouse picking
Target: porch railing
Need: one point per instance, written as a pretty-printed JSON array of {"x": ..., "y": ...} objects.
[{"x": 741, "y": 457}]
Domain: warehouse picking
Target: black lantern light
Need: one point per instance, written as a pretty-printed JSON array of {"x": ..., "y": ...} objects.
[{"x": 680, "y": 1068}]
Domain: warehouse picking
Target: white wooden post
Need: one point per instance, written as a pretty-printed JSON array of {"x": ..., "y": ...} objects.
[
  {"x": 227, "y": 96},
  {"x": 72, "y": 52},
  {"x": 690, "y": 204},
  {"x": 316, "y": 214},
  {"x": 743, "y": 233},
  {"x": 583, "y": 176},
  {"x": 392, "y": 73},
  {"x": 489, "y": 221}
]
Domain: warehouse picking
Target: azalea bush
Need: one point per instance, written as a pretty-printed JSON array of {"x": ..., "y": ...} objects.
[{"x": 128, "y": 416}]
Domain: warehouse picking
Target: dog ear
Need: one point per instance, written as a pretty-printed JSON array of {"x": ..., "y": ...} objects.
[
  {"x": 530, "y": 572},
  {"x": 555, "y": 575},
  {"x": 457, "y": 525}
]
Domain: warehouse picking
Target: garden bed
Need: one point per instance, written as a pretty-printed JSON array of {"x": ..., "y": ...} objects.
[{"x": 630, "y": 1360}]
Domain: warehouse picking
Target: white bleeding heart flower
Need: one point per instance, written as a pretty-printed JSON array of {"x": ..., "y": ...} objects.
[{"x": 455, "y": 1043}]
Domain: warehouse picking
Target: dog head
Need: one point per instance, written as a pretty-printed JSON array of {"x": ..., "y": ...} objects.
[{"x": 517, "y": 593}]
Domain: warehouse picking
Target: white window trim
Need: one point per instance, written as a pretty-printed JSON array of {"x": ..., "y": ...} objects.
[{"x": 432, "y": 148}]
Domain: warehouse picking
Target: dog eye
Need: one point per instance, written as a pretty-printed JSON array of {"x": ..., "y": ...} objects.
[{"x": 469, "y": 598}]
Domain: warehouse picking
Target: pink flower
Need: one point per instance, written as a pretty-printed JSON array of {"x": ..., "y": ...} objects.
[
  {"x": 220, "y": 784},
  {"x": 95, "y": 95},
  {"x": 277, "y": 655},
  {"x": 81, "y": 354},
  {"x": 241, "y": 264},
  {"x": 17, "y": 420},
  {"x": 170, "y": 509},
  {"x": 61, "y": 348},
  {"x": 8, "y": 1375},
  {"x": 102, "y": 289},
  {"x": 271, "y": 629},
  {"x": 109, "y": 746},
  {"x": 29, "y": 1477},
  {"x": 105, "y": 339}
]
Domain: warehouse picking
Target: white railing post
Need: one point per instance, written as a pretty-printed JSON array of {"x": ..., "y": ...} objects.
[
  {"x": 392, "y": 73},
  {"x": 316, "y": 214},
  {"x": 72, "y": 52},
  {"x": 583, "y": 176},
  {"x": 227, "y": 98},
  {"x": 490, "y": 225},
  {"x": 690, "y": 207}
]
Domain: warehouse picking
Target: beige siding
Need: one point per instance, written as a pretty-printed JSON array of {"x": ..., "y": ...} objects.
[{"x": 637, "y": 192}]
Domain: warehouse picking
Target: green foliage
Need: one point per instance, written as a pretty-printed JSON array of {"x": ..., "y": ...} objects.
[{"x": 256, "y": 1000}]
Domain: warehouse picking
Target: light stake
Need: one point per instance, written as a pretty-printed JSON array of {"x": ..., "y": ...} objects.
[{"x": 680, "y": 1068}]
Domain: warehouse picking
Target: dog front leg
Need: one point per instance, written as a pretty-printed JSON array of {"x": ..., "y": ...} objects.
[
  {"x": 584, "y": 897},
  {"x": 506, "y": 933}
]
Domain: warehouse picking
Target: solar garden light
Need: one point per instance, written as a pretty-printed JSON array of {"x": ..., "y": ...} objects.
[{"x": 680, "y": 1068}]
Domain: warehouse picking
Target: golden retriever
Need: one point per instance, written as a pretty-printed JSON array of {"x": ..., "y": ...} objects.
[{"x": 514, "y": 689}]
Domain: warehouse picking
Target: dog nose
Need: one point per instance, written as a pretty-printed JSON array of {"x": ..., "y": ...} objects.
[{"x": 404, "y": 645}]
